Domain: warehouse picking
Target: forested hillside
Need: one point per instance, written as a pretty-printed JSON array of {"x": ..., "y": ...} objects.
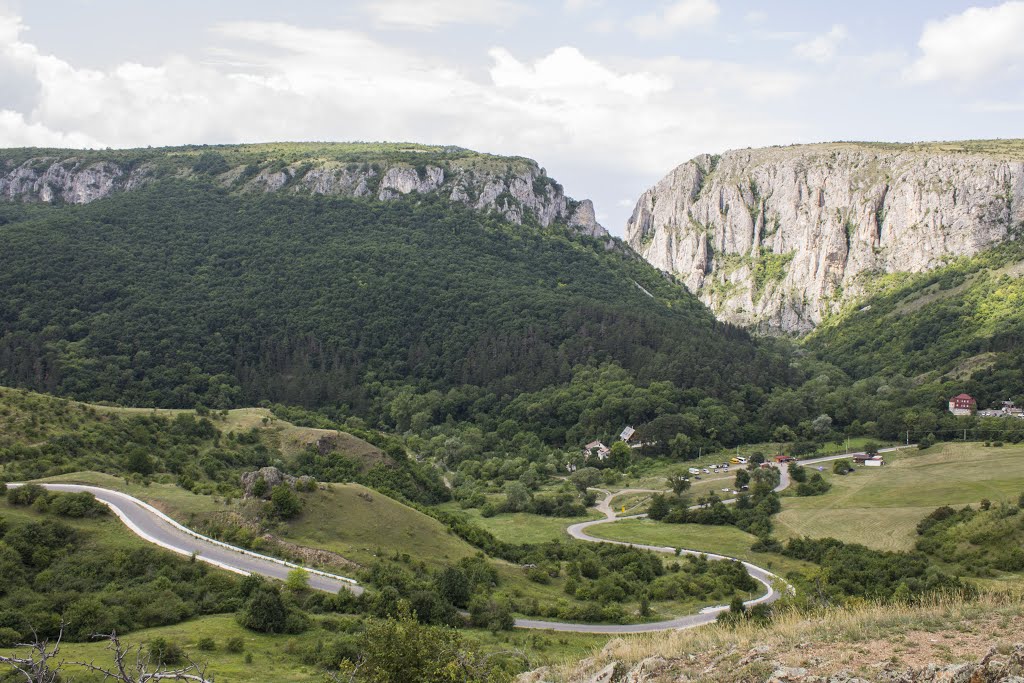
[
  {"x": 183, "y": 293},
  {"x": 962, "y": 324}
]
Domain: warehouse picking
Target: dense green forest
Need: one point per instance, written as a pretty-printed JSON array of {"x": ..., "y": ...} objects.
[
  {"x": 182, "y": 294},
  {"x": 474, "y": 338}
]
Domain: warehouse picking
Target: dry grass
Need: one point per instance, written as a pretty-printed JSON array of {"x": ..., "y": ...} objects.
[{"x": 858, "y": 638}]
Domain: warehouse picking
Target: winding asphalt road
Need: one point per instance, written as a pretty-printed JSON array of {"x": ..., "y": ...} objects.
[{"x": 156, "y": 527}]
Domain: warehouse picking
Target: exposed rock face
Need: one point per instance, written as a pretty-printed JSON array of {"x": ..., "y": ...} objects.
[
  {"x": 273, "y": 477},
  {"x": 776, "y": 239},
  {"x": 519, "y": 190},
  {"x": 71, "y": 180}
]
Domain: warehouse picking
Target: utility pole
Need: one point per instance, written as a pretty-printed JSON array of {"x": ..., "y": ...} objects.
[{"x": 908, "y": 437}]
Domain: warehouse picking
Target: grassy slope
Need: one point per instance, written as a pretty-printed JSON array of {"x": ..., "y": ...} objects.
[
  {"x": 277, "y": 657},
  {"x": 274, "y": 657},
  {"x": 880, "y": 507},
  {"x": 290, "y": 439},
  {"x": 726, "y": 540},
  {"x": 522, "y": 527},
  {"x": 275, "y": 155},
  {"x": 859, "y": 641},
  {"x": 361, "y": 524},
  {"x": 953, "y": 319},
  {"x": 32, "y": 419}
]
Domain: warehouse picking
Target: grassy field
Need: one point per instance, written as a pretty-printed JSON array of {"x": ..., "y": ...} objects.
[
  {"x": 362, "y": 524},
  {"x": 880, "y": 507},
  {"x": 522, "y": 527},
  {"x": 724, "y": 540},
  {"x": 166, "y": 497}
]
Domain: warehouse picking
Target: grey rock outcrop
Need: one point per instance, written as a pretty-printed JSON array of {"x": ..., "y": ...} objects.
[
  {"x": 70, "y": 180},
  {"x": 518, "y": 189},
  {"x": 777, "y": 239},
  {"x": 273, "y": 477}
]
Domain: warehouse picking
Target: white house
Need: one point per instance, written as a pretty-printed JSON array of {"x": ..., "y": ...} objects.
[{"x": 596, "y": 448}]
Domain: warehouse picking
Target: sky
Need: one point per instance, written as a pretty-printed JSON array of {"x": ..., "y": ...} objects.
[{"x": 607, "y": 95}]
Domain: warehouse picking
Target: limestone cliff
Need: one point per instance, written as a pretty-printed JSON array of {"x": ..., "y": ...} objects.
[
  {"x": 777, "y": 239},
  {"x": 516, "y": 188}
]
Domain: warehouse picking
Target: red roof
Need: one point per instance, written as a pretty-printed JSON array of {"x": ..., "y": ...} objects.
[{"x": 967, "y": 396}]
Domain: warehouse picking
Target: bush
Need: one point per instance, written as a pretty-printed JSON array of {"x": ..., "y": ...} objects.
[
  {"x": 164, "y": 652},
  {"x": 814, "y": 486},
  {"x": 235, "y": 645},
  {"x": 842, "y": 467},
  {"x": 298, "y": 580},
  {"x": 264, "y": 611},
  {"x": 207, "y": 644},
  {"x": 766, "y": 545},
  {"x": 25, "y": 495},
  {"x": 285, "y": 504},
  {"x": 9, "y": 637},
  {"x": 77, "y": 505}
]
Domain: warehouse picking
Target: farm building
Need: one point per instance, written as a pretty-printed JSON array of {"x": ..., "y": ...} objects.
[
  {"x": 962, "y": 404},
  {"x": 596, "y": 448}
]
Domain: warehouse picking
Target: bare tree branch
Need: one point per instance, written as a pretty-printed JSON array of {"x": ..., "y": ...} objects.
[
  {"x": 140, "y": 672},
  {"x": 36, "y": 666}
]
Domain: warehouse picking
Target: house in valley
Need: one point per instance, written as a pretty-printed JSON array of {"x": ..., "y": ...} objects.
[
  {"x": 596, "y": 449},
  {"x": 962, "y": 404},
  {"x": 629, "y": 436}
]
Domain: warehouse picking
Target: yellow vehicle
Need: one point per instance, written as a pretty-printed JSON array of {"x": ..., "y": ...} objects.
[{"x": 734, "y": 461}]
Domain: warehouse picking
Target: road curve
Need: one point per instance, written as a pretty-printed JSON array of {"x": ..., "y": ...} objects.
[
  {"x": 156, "y": 527},
  {"x": 766, "y": 578}
]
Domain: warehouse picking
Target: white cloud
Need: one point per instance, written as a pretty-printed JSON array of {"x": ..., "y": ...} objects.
[
  {"x": 15, "y": 131},
  {"x": 567, "y": 70},
  {"x": 822, "y": 48},
  {"x": 996, "y": 107},
  {"x": 431, "y": 14},
  {"x": 574, "y": 6},
  {"x": 606, "y": 118},
  {"x": 674, "y": 17},
  {"x": 974, "y": 44}
]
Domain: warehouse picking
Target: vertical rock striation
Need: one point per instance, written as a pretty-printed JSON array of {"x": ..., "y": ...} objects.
[{"x": 777, "y": 239}]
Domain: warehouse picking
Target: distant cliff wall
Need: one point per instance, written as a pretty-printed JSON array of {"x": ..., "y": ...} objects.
[
  {"x": 518, "y": 189},
  {"x": 776, "y": 239}
]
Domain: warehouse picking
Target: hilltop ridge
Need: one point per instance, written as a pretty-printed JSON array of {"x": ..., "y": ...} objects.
[{"x": 516, "y": 188}]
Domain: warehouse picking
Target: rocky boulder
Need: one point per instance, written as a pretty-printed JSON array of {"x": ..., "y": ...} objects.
[{"x": 270, "y": 478}]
